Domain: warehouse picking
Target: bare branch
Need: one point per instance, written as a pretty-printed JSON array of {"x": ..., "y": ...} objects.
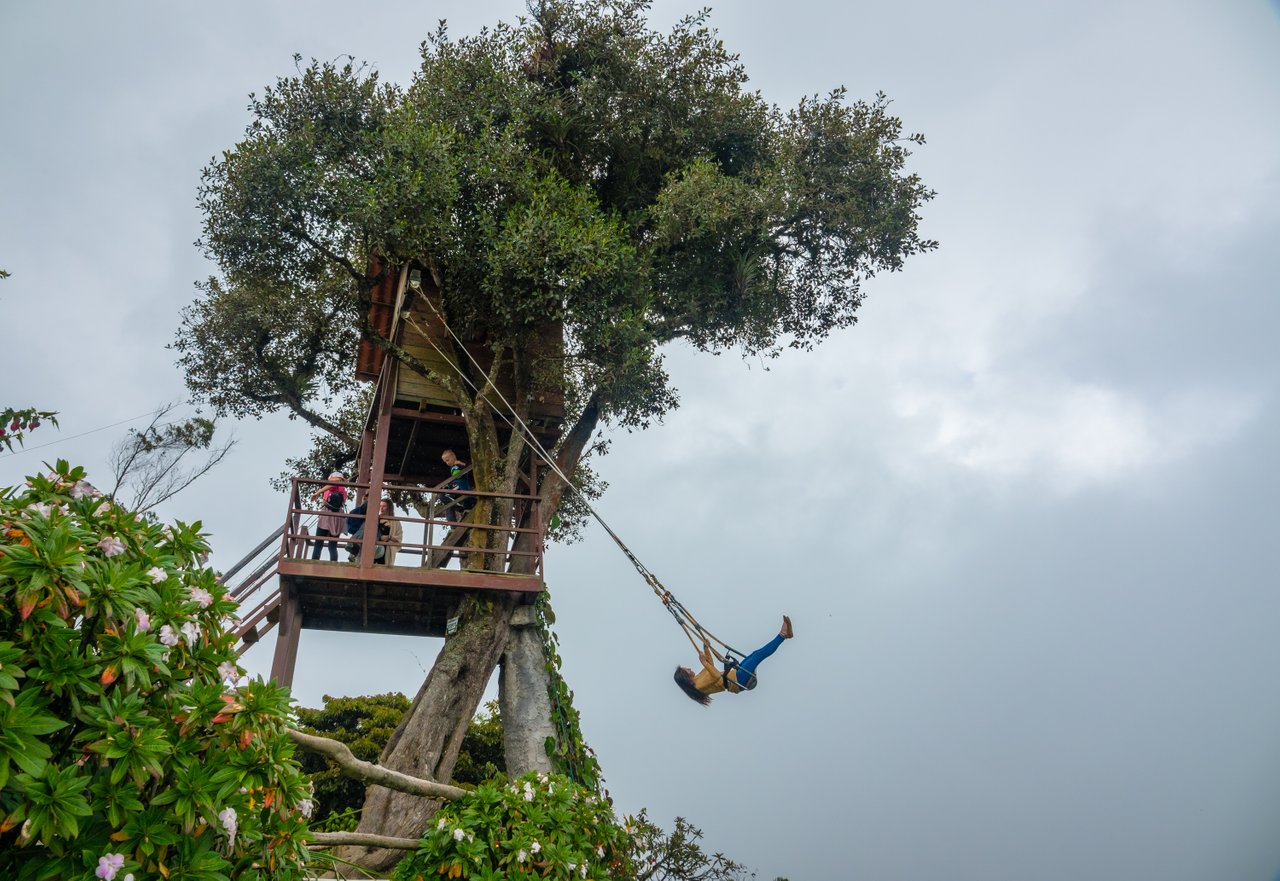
[
  {"x": 356, "y": 839},
  {"x": 367, "y": 772},
  {"x": 149, "y": 464}
]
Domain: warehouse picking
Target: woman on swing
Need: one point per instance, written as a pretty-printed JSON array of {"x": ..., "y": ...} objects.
[{"x": 736, "y": 676}]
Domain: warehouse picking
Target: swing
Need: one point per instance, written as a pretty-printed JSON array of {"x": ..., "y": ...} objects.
[{"x": 693, "y": 630}]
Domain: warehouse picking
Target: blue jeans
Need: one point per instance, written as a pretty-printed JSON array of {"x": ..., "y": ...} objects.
[{"x": 747, "y": 666}]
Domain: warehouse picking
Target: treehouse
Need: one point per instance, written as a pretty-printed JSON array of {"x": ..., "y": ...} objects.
[{"x": 453, "y": 538}]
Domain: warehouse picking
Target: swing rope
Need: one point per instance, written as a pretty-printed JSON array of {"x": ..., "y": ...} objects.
[{"x": 693, "y": 630}]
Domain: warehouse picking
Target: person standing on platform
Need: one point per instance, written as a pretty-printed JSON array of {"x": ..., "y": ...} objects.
[{"x": 330, "y": 523}]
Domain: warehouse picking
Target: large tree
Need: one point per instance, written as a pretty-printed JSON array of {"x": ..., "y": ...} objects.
[{"x": 575, "y": 167}]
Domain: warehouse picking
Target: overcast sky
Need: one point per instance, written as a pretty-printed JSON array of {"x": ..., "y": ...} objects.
[{"x": 1031, "y": 556}]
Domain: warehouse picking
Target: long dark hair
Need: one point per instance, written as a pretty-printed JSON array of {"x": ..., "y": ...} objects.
[{"x": 685, "y": 681}]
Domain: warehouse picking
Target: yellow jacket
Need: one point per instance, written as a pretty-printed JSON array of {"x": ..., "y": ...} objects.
[{"x": 711, "y": 679}]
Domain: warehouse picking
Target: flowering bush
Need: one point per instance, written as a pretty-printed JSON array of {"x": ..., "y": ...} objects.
[
  {"x": 538, "y": 825},
  {"x": 126, "y": 752}
]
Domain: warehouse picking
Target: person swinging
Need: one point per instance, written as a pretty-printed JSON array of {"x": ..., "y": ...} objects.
[{"x": 736, "y": 676}]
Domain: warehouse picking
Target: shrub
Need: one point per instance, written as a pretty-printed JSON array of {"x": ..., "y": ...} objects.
[
  {"x": 125, "y": 750},
  {"x": 538, "y": 825}
]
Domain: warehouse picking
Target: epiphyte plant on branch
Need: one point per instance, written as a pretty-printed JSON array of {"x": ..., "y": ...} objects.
[{"x": 576, "y": 168}]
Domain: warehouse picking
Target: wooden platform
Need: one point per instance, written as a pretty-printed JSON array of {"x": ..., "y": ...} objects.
[{"x": 395, "y": 600}]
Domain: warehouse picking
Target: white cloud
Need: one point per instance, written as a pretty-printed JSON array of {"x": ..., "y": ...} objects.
[{"x": 1067, "y": 436}]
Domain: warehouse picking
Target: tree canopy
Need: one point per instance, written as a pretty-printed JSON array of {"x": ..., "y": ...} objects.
[{"x": 575, "y": 166}]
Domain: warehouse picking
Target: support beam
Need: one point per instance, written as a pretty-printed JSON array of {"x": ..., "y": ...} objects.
[
  {"x": 290, "y": 629},
  {"x": 523, "y": 701},
  {"x": 381, "y": 442}
]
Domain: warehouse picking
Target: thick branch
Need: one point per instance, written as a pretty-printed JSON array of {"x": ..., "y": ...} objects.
[
  {"x": 367, "y": 772},
  {"x": 357, "y": 839}
]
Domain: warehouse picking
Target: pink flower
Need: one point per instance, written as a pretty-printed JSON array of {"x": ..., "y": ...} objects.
[
  {"x": 230, "y": 673},
  {"x": 108, "y": 865},
  {"x": 111, "y": 546},
  {"x": 42, "y": 509},
  {"x": 157, "y": 574},
  {"x": 201, "y": 596},
  {"x": 227, "y": 817},
  {"x": 168, "y": 636},
  {"x": 144, "y": 620},
  {"x": 191, "y": 632}
]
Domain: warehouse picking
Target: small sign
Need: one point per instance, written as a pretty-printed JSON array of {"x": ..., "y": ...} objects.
[{"x": 451, "y": 626}]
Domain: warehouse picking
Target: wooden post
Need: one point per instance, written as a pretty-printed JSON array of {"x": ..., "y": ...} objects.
[
  {"x": 381, "y": 441},
  {"x": 363, "y": 468},
  {"x": 290, "y": 628}
]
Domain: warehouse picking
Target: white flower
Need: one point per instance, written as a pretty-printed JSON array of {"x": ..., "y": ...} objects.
[
  {"x": 167, "y": 636},
  {"x": 458, "y": 834},
  {"x": 227, "y": 817},
  {"x": 442, "y": 823},
  {"x": 582, "y": 871},
  {"x": 528, "y": 792},
  {"x": 191, "y": 632},
  {"x": 522, "y": 856},
  {"x": 471, "y": 836},
  {"x": 571, "y": 866},
  {"x": 103, "y": 507},
  {"x": 42, "y": 509},
  {"x": 535, "y": 847},
  {"x": 305, "y": 807},
  {"x": 201, "y": 596},
  {"x": 599, "y": 852},
  {"x": 108, "y": 866},
  {"x": 230, "y": 673},
  {"x": 157, "y": 574},
  {"x": 111, "y": 546}
]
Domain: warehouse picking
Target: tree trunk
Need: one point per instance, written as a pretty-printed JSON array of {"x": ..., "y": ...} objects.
[
  {"x": 427, "y": 742},
  {"x": 523, "y": 698}
]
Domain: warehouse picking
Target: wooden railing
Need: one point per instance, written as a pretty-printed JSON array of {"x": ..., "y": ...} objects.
[{"x": 447, "y": 524}]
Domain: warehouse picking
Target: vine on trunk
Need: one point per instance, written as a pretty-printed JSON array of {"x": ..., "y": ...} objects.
[{"x": 570, "y": 755}]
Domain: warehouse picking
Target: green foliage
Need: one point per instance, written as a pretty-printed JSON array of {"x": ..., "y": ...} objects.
[
  {"x": 544, "y": 826},
  {"x": 568, "y": 751},
  {"x": 16, "y": 423},
  {"x": 123, "y": 750},
  {"x": 481, "y": 757}
]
